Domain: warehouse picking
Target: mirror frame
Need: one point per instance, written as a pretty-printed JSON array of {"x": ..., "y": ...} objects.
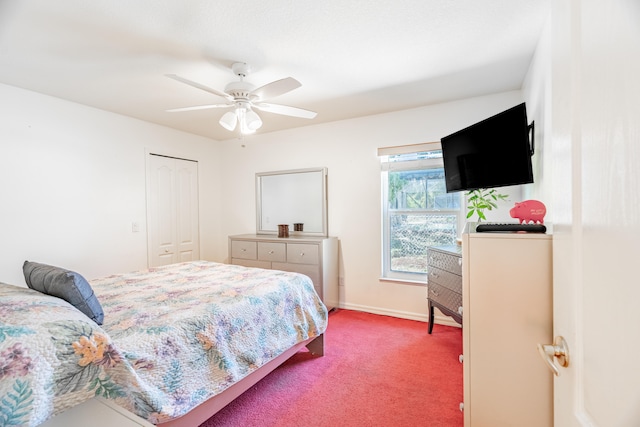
[{"x": 322, "y": 174}]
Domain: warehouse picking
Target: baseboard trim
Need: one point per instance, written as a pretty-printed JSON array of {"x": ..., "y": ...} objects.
[{"x": 421, "y": 317}]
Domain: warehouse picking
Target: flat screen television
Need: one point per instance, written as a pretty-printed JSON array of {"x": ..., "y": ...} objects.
[{"x": 495, "y": 152}]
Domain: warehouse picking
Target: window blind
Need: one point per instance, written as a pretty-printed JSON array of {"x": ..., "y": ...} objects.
[{"x": 410, "y": 148}]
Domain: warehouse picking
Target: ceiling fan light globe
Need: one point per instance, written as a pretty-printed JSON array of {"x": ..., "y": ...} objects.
[
  {"x": 229, "y": 120},
  {"x": 253, "y": 120}
]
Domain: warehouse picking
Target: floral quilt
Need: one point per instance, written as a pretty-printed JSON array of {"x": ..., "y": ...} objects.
[{"x": 172, "y": 337}]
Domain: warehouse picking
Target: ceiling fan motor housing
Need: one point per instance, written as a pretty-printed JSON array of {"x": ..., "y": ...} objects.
[{"x": 239, "y": 90}]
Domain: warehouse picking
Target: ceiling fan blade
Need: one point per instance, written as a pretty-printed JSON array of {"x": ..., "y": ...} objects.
[
  {"x": 285, "y": 110},
  {"x": 276, "y": 88},
  {"x": 199, "y": 107},
  {"x": 199, "y": 86}
]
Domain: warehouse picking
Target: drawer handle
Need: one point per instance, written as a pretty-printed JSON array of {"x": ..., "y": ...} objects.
[
  {"x": 434, "y": 275},
  {"x": 301, "y": 253},
  {"x": 243, "y": 250},
  {"x": 435, "y": 293},
  {"x": 270, "y": 252},
  {"x": 460, "y": 310}
]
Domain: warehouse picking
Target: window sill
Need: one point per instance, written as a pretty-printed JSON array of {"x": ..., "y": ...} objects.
[{"x": 404, "y": 281}]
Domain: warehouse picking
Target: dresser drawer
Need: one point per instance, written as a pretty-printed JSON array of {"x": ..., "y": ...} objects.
[
  {"x": 446, "y": 297},
  {"x": 272, "y": 251},
  {"x": 244, "y": 250},
  {"x": 446, "y": 279},
  {"x": 445, "y": 261},
  {"x": 299, "y": 253}
]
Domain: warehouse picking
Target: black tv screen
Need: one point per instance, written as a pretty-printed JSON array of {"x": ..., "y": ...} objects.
[{"x": 495, "y": 152}]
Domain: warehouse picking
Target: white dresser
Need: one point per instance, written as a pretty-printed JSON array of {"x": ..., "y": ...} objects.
[
  {"x": 507, "y": 298},
  {"x": 316, "y": 257}
]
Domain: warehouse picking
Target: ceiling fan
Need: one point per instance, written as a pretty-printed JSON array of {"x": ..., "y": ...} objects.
[{"x": 243, "y": 97}]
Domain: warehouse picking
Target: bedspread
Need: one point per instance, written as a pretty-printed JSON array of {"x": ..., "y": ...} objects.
[
  {"x": 176, "y": 335},
  {"x": 42, "y": 370}
]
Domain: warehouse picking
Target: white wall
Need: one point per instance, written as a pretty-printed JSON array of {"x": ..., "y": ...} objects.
[
  {"x": 349, "y": 150},
  {"x": 536, "y": 90},
  {"x": 72, "y": 181}
]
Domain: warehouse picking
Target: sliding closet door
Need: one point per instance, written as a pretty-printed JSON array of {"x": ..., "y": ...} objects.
[{"x": 172, "y": 210}]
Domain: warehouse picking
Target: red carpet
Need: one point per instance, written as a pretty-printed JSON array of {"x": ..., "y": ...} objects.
[{"x": 377, "y": 371}]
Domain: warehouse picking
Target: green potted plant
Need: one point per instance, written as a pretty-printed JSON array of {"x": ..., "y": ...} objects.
[{"x": 482, "y": 199}]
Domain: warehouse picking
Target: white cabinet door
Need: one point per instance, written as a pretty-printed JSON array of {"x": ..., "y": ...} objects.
[{"x": 172, "y": 210}]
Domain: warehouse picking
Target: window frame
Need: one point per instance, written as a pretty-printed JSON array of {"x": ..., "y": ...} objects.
[{"x": 389, "y": 166}]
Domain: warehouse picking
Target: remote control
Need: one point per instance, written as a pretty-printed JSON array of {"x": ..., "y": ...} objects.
[{"x": 493, "y": 227}]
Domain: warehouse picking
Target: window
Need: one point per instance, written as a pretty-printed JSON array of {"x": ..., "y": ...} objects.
[{"x": 417, "y": 212}]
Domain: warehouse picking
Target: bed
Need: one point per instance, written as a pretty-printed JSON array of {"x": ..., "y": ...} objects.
[{"x": 176, "y": 343}]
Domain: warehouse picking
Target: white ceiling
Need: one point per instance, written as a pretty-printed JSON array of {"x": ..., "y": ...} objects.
[{"x": 353, "y": 57}]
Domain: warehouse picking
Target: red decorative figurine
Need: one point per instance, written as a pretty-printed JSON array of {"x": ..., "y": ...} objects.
[{"x": 529, "y": 210}]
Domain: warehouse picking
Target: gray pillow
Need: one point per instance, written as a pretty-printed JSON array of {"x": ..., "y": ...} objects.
[{"x": 65, "y": 284}]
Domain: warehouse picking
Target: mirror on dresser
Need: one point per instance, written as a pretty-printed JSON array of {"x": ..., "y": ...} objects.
[{"x": 292, "y": 197}]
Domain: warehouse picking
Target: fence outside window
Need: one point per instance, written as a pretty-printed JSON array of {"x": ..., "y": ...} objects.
[{"x": 417, "y": 213}]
